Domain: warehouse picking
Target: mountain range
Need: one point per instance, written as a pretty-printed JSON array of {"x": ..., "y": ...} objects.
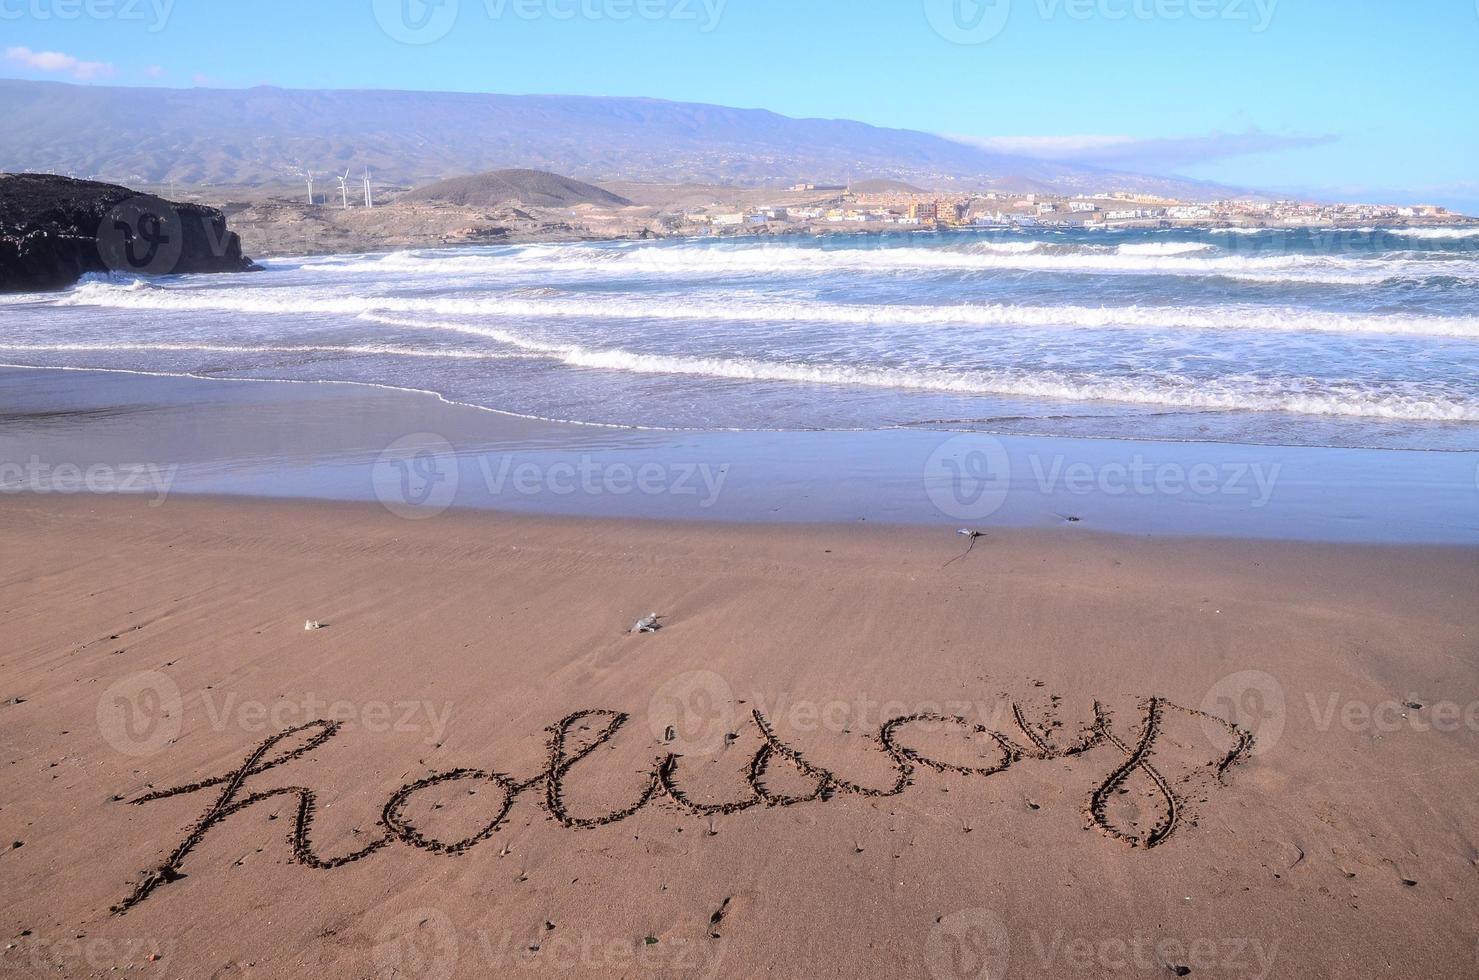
[{"x": 264, "y": 136}]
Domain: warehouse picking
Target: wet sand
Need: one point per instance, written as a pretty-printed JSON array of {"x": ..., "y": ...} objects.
[
  {"x": 850, "y": 750},
  {"x": 411, "y": 450}
]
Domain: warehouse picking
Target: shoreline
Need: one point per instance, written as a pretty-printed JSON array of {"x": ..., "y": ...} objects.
[
  {"x": 372, "y": 246},
  {"x": 418, "y": 451}
]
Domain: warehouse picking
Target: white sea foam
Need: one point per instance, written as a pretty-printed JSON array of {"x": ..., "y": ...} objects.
[
  {"x": 1162, "y": 248},
  {"x": 730, "y": 308},
  {"x": 1431, "y": 234},
  {"x": 644, "y": 330},
  {"x": 708, "y": 261},
  {"x": 1296, "y": 395},
  {"x": 1009, "y": 248}
]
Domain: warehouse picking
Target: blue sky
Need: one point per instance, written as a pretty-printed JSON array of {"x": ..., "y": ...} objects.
[{"x": 1354, "y": 98}]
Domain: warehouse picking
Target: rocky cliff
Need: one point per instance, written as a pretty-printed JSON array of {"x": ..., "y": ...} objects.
[{"x": 54, "y": 230}]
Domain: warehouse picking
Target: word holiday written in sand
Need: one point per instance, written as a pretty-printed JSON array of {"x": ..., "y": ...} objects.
[{"x": 1132, "y": 755}]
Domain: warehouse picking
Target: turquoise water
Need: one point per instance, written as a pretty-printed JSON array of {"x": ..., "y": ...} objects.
[{"x": 1365, "y": 338}]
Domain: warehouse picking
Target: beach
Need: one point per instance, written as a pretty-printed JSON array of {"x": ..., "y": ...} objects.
[
  {"x": 551, "y": 490},
  {"x": 151, "y": 648},
  {"x": 886, "y": 610},
  {"x": 1065, "y": 747}
]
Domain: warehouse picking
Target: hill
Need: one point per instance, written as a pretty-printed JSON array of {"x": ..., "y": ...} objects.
[
  {"x": 530, "y": 187},
  {"x": 262, "y": 136}
]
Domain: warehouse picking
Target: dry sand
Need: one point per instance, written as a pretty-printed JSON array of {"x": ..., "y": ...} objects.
[{"x": 153, "y": 648}]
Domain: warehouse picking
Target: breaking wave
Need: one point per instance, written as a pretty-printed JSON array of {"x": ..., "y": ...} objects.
[{"x": 735, "y": 309}]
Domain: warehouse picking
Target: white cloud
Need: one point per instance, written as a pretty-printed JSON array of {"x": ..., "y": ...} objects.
[
  {"x": 53, "y": 61},
  {"x": 1151, "y": 155},
  {"x": 155, "y": 71}
]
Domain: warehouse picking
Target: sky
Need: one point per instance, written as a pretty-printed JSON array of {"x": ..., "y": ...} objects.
[{"x": 1353, "y": 99}]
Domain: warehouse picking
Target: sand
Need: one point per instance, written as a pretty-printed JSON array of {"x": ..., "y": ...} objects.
[{"x": 153, "y": 652}]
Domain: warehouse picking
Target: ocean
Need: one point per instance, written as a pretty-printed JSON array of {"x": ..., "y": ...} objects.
[{"x": 1366, "y": 338}]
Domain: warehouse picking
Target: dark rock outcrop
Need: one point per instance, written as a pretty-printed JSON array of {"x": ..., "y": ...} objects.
[{"x": 54, "y": 230}]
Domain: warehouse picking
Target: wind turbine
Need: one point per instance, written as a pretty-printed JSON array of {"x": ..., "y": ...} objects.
[
  {"x": 310, "y": 188},
  {"x": 344, "y": 189},
  {"x": 369, "y": 198}
]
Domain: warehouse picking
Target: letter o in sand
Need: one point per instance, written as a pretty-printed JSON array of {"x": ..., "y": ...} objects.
[{"x": 396, "y": 821}]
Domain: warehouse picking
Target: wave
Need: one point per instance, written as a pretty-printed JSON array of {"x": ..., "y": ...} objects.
[
  {"x": 1072, "y": 248},
  {"x": 698, "y": 261},
  {"x": 732, "y": 309},
  {"x": 1430, "y": 234},
  {"x": 1162, "y": 248},
  {"x": 1303, "y": 396},
  {"x": 1010, "y": 248}
]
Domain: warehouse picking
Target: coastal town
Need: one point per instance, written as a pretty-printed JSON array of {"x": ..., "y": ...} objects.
[
  {"x": 276, "y": 221},
  {"x": 885, "y": 204}
]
